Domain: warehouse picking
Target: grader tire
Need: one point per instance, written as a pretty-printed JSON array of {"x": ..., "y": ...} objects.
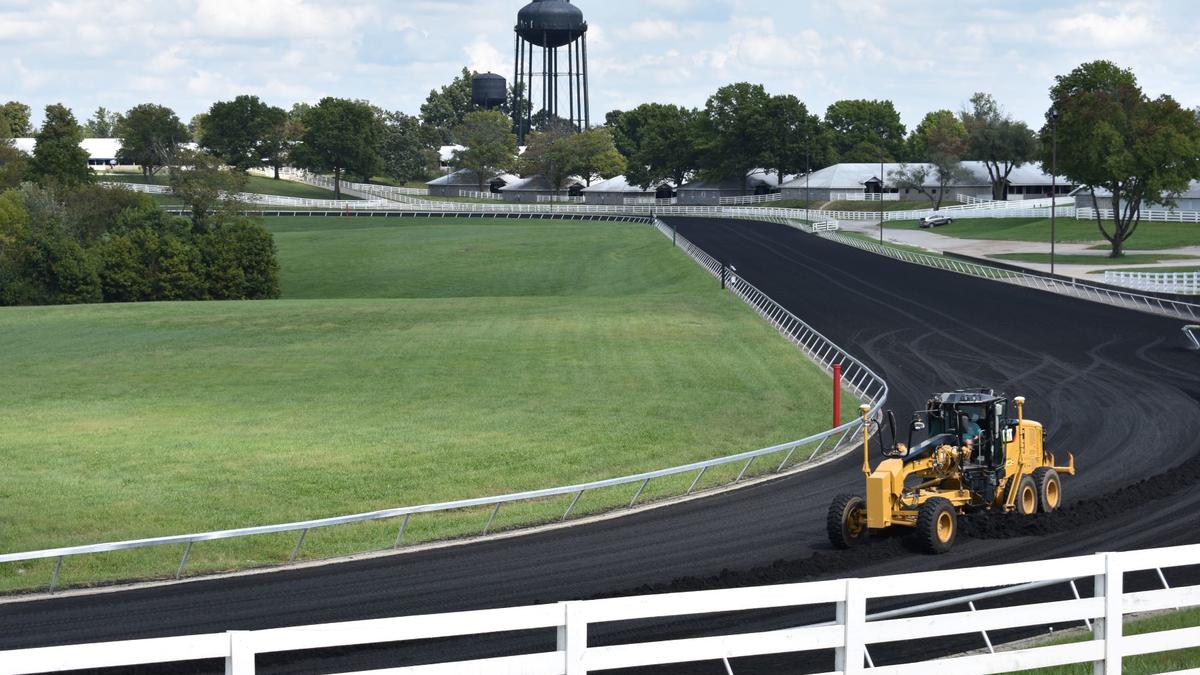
[
  {"x": 1027, "y": 496},
  {"x": 937, "y": 525},
  {"x": 1049, "y": 489},
  {"x": 847, "y": 521}
]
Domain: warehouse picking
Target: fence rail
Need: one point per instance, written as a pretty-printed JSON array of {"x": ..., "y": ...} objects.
[
  {"x": 561, "y": 199},
  {"x": 476, "y": 194},
  {"x": 1152, "y": 215},
  {"x": 751, "y": 199},
  {"x": 850, "y": 635},
  {"x": 1187, "y": 283},
  {"x": 864, "y": 196},
  {"x": 857, "y": 378}
]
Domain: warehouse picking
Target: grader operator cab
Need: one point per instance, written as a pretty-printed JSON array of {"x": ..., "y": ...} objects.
[{"x": 975, "y": 458}]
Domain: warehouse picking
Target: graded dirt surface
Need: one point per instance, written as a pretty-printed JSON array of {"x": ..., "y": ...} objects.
[{"x": 1115, "y": 387}]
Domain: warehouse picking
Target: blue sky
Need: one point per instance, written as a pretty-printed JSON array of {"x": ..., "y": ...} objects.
[{"x": 921, "y": 55}]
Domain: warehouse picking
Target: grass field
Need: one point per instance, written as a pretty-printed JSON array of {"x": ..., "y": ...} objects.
[
  {"x": 1149, "y": 236},
  {"x": 409, "y": 361},
  {"x": 254, "y": 184},
  {"x": 1127, "y": 259},
  {"x": 1183, "y": 268},
  {"x": 1144, "y": 664}
]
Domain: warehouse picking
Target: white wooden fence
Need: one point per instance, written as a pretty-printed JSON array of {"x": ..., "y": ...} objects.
[
  {"x": 650, "y": 201},
  {"x": 849, "y": 635},
  {"x": 864, "y": 196},
  {"x": 476, "y": 194},
  {"x": 751, "y": 199},
  {"x": 1152, "y": 215},
  {"x": 1187, "y": 283},
  {"x": 561, "y": 199}
]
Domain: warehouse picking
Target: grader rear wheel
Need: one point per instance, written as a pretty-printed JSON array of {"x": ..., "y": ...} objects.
[
  {"x": 847, "y": 521},
  {"x": 937, "y": 525},
  {"x": 1049, "y": 489},
  {"x": 1027, "y": 496}
]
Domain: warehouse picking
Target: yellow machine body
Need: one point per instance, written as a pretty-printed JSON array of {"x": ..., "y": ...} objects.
[{"x": 899, "y": 485}]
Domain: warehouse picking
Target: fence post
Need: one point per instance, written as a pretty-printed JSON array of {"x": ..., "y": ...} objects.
[
  {"x": 572, "y": 638},
  {"x": 852, "y": 615},
  {"x": 1110, "y": 586},
  {"x": 837, "y": 394},
  {"x": 241, "y": 654}
]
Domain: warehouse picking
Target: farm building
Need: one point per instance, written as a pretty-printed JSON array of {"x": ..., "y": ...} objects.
[
  {"x": 536, "y": 189},
  {"x": 102, "y": 152},
  {"x": 452, "y": 185},
  {"x": 709, "y": 192},
  {"x": 617, "y": 191},
  {"x": 861, "y": 182},
  {"x": 1189, "y": 200}
]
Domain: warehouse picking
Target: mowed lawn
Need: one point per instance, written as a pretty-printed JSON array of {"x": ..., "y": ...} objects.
[
  {"x": 410, "y": 361},
  {"x": 1149, "y": 235}
]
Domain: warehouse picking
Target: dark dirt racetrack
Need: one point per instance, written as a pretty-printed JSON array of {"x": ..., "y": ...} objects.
[{"x": 1116, "y": 387}]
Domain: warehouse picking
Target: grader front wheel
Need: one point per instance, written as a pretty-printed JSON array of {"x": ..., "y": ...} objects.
[
  {"x": 1027, "y": 496},
  {"x": 937, "y": 525},
  {"x": 847, "y": 521}
]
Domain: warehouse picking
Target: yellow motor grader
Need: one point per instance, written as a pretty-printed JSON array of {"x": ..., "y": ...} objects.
[{"x": 975, "y": 458}]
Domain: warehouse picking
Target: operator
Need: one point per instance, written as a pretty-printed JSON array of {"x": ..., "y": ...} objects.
[{"x": 972, "y": 430}]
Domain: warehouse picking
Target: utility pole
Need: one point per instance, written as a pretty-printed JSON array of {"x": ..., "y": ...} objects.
[{"x": 1053, "y": 181}]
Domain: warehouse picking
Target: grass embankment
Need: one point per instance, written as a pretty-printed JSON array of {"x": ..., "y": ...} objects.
[
  {"x": 1078, "y": 259},
  {"x": 1185, "y": 268},
  {"x": 889, "y": 244},
  {"x": 411, "y": 361},
  {"x": 1144, "y": 664},
  {"x": 254, "y": 184},
  {"x": 905, "y": 205},
  {"x": 1149, "y": 235}
]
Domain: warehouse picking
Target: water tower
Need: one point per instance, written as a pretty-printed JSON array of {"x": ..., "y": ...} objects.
[
  {"x": 488, "y": 90},
  {"x": 554, "y": 26}
]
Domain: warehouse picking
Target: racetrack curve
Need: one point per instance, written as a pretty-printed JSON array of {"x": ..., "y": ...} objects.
[{"x": 1115, "y": 387}]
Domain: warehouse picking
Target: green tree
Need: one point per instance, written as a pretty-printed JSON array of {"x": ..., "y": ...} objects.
[
  {"x": 940, "y": 139},
  {"x": 13, "y": 164},
  {"x": 91, "y": 211},
  {"x": 797, "y": 141},
  {"x": 195, "y": 127},
  {"x": 239, "y": 261},
  {"x": 490, "y": 144},
  {"x": 1111, "y": 136},
  {"x": 16, "y": 116},
  {"x": 549, "y": 155},
  {"x": 997, "y": 140},
  {"x": 593, "y": 154},
  {"x": 409, "y": 148},
  {"x": 102, "y": 124},
  {"x": 150, "y": 136},
  {"x": 340, "y": 135},
  {"x": 865, "y": 131},
  {"x": 445, "y": 109},
  {"x": 206, "y": 186},
  {"x": 735, "y": 132},
  {"x": 246, "y": 133},
  {"x": 57, "y": 157},
  {"x": 658, "y": 142}
]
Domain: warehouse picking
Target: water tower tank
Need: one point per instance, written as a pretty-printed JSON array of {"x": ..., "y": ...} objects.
[
  {"x": 550, "y": 23},
  {"x": 488, "y": 90}
]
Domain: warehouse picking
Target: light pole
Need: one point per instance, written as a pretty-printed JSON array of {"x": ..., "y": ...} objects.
[
  {"x": 1053, "y": 180},
  {"x": 807, "y": 172},
  {"x": 881, "y": 190}
]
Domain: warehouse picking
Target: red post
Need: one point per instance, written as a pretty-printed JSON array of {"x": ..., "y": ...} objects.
[{"x": 837, "y": 394}]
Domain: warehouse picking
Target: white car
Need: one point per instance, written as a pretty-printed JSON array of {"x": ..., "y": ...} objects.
[{"x": 934, "y": 221}]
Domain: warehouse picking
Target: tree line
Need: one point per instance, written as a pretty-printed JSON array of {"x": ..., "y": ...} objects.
[
  {"x": 65, "y": 239},
  {"x": 1112, "y": 138}
]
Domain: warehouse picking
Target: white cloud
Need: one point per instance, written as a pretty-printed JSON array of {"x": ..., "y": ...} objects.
[
  {"x": 483, "y": 57},
  {"x": 1108, "y": 31}
]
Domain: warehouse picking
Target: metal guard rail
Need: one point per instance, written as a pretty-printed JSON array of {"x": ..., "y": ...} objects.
[
  {"x": 1074, "y": 288},
  {"x": 857, "y": 378}
]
